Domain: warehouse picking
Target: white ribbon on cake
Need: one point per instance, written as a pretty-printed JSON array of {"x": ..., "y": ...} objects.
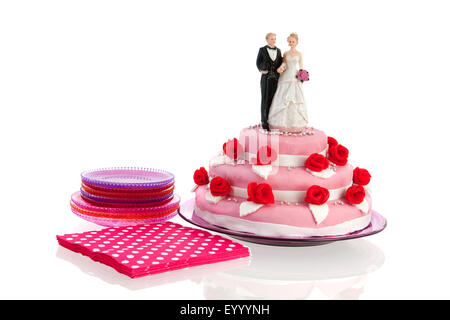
[
  {"x": 278, "y": 229},
  {"x": 287, "y": 160},
  {"x": 292, "y": 196}
]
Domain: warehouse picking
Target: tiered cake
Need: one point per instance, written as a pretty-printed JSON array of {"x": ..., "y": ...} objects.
[{"x": 280, "y": 184}]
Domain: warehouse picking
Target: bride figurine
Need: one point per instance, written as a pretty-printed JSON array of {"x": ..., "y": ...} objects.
[{"x": 288, "y": 109}]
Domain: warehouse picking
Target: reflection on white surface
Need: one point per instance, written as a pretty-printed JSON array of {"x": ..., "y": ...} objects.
[
  {"x": 111, "y": 276},
  {"x": 333, "y": 271}
]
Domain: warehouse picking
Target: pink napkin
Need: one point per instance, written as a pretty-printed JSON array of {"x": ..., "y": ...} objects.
[{"x": 140, "y": 250}]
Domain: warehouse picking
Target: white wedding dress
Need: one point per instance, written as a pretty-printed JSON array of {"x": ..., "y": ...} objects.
[{"x": 288, "y": 109}]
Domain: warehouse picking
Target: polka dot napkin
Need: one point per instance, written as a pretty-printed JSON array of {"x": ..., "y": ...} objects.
[{"x": 141, "y": 250}]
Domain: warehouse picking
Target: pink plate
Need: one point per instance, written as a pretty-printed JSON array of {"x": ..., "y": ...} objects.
[
  {"x": 187, "y": 212},
  {"x": 109, "y": 222},
  {"x": 83, "y": 204}
]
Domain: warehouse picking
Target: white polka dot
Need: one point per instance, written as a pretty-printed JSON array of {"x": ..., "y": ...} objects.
[
  {"x": 125, "y": 261},
  {"x": 139, "y": 262},
  {"x": 130, "y": 256}
]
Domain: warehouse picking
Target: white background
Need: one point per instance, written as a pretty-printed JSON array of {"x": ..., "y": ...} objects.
[{"x": 87, "y": 84}]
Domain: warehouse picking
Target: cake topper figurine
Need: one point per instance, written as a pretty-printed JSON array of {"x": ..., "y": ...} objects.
[
  {"x": 268, "y": 62},
  {"x": 282, "y": 105}
]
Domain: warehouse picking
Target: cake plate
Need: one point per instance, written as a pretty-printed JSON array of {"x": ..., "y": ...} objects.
[{"x": 187, "y": 212}]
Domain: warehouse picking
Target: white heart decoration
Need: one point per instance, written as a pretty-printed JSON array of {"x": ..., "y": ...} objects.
[
  {"x": 363, "y": 206},
  {"x": 324, "y": 174},
  {"x": 320, "y": 212},
  {"x": 248, "y": 207},
  {"x": 262, "y": 170},
  {"x": 214, "y": 199}
]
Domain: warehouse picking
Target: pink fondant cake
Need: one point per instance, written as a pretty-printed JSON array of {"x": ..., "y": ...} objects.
[{"x": 282, "y": 184}]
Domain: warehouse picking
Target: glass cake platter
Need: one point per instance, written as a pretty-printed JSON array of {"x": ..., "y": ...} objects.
[{"x": 187, "y": 212}]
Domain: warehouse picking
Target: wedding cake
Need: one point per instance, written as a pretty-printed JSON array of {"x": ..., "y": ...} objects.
[
  {"x": 282, "y": 184},
  {"x": 283, "y": 178}
]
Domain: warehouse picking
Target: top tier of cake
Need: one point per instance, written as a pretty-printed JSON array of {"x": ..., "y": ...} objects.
[{"x": 293, "y": 148}]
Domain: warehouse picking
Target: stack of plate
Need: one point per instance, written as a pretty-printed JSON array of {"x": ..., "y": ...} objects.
[{"x": 125, "y": 196}]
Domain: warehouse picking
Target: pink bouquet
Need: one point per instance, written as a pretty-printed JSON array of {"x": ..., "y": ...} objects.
[{"x": 302, "y": 75}]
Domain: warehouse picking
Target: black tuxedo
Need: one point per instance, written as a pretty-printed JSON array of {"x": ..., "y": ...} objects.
[{"x": 269, "y": 81}]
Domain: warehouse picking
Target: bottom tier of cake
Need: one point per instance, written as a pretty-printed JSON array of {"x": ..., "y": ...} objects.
[{"x": 282, "y": 220}]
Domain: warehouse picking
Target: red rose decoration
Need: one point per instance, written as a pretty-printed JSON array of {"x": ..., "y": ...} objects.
[
  {"x": 355, "y": 194},
  {"x": 361, "y": 176},
  {"x": 201, "y": 176},
  {"x": 219, "y": 187},
  {"x": 266, "y": 155},
  {"x": 317, "y": 162},
  {"x": 332, "y": 142},
  {"x": 338, "y": 154},
  {"x": 233, "y": 149},
  {"x": 317, "y": 195},
  {"x": 260, "y": 193}
]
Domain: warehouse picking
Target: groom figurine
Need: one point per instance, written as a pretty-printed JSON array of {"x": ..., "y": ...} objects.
[{"x": 268, "y": 61}]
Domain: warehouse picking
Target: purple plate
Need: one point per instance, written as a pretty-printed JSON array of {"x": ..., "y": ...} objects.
[
  {"x": 187, "y": 212},
  {"x": 132, "y": 178}
]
